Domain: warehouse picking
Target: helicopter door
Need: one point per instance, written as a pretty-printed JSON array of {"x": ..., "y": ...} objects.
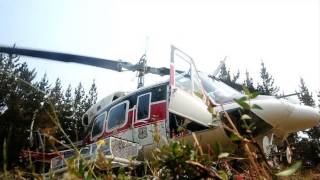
[
  {"x": 142, "y": 133},
  {"x": 187, "y": 97}
]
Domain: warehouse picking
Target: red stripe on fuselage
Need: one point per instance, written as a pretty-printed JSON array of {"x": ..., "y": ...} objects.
[{"x": 157, "y": 114}]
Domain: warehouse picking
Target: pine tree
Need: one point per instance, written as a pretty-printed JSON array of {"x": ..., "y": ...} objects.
[
  {"x": 26, "y": 89},
  {"x": 79, "y": 104},
  {"x": 9, "y": 110},
  {"x": 319, "y": 100},
  {"x": 235, "y": 77},
  {"x": 56, "y": 94},
  {"x": 248, "y": 82},
  {"x": 68, "y": 101},
  {"x": 308, "y": 149},
  {"x": 15, "y": 104},
  {"x": 39, "y": 103},
  {"x": 8, "y": 84},
  {"x": 224, "y": 74},
  {"x": 92, "y": 97},
  {"x": 226, "y": 77},
  {"x": 79, "y": 93},
  {"x": 43, "y": 85},
  {"x": 305, "y": 96},
  {"x": 23, "y": 102},
  {"x": 25, "y": 73},
  {"x": 55, "y": 105},
  {"x": 67, "y": 113},
  {"x": 267, "y": 87}
]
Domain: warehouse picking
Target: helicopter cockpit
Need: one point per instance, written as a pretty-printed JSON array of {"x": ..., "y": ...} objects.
[
  {"x": 218, "y": 91},
  {"x": 195, "y": 82}
]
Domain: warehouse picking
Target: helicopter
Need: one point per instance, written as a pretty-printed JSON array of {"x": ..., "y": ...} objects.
[{"x": 126, "y": 121}]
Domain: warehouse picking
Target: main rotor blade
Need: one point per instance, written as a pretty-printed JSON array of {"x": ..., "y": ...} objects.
[{"x": 70, "y": 58}]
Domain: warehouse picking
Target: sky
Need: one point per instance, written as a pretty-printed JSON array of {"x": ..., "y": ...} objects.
[{"x": 284, "y": 34}]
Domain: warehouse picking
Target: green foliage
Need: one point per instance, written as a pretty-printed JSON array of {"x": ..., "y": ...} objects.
[
  {"x": 5, "y": 158},
  {"x": 267, "y": 87},
  {"x": 224, "y": 73},
  {"x": 226, "y": 77},
  {"x": 24, "y": 102},
  {"x": 291, "y": 170},
  {"x": 248, "y": 82},
  {"x": 305, "y": 96},
  {"x": 246, "y": 106},
  {"x": 307, "y": 148},
  {"x": 319, "y": 100},
  {"x": 235, "y": 138},
  {"x": 43, "y": 84},
  {"x": 79, "y": 110},
  {"x": 178, "y": 160},
  {"x": 15, "y": 104},
  {"x": 242, "y": 103},
  {"x": 66, "y": 115},
  {"x": 81, "y": 103},
  {"x": 217, "y": 148},
  {"x": 56, "y": 95},
  {"x": 93, "y": 95},
  {"x": 172, "y": 159}
]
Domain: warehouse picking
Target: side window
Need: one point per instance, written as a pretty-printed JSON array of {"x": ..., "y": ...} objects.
[
  {"x": 143, "y": 103},
  {"x": 98, "y": 126},
  {"x": 117, "y": 115}
]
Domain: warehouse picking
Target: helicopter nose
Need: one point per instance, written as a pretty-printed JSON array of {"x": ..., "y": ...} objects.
[
  {"x": 303, "y": 117},
  {"x": 286, "y": 116}
]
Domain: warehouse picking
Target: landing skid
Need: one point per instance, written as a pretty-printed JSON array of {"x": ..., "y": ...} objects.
[{"x": 117, "y": 152}]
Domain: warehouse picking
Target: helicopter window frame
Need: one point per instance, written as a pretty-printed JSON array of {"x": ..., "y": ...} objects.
[
  {"x": 149, "y": 94},
  {"x": 125, "y": 117},
  {"x": 103, "y": 126}
]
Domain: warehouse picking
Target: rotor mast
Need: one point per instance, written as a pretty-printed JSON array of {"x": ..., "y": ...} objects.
[{"x": 141, "y": 70}]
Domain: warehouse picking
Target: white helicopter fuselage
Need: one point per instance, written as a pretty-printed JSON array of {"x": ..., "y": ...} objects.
[{"x": 180, "y": 108}]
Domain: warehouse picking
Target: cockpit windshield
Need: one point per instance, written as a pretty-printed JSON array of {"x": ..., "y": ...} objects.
[
  {"x": 187, "y": 78},
  {"x": 217, "y": 90}
]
